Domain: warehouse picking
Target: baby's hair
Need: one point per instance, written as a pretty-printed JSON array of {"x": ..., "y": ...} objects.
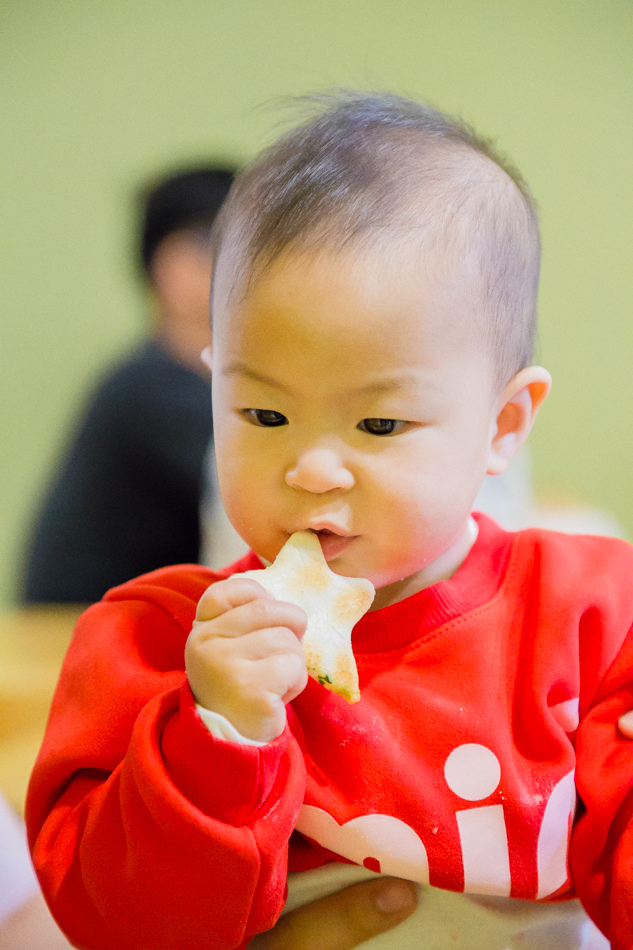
[{"x": 369, "y": 167}]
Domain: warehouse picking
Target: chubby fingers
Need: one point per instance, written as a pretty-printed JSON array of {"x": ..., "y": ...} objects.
[
  {"x": 225, "y": 595},
  {"x": 239, "y": 607},
  {"x": 342, "y": 920}
]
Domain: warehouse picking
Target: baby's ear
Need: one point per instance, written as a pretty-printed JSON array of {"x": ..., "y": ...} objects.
[
  {"x": 206, "y": 357},
  {"x": 516, "y": 411}
]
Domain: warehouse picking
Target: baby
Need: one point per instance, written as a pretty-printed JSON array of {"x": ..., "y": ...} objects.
[{"x": 373, "y": 309}]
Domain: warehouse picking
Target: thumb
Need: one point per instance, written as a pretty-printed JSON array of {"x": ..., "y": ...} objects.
[{"x": 342, "y": 920}]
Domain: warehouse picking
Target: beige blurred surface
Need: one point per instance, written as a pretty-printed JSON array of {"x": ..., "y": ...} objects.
[{"x": 32, "y": 646}]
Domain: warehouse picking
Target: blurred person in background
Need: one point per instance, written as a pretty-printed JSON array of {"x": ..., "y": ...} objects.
[{"x": 126, "y": 496}]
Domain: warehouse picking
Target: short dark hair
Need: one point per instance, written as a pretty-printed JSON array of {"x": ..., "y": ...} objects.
[
  {"x": 186, "y": 199},
  {"x": 373, "y": 164}
]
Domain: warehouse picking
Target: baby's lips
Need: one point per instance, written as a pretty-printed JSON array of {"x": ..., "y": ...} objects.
[{"x": 333, "y": 545}]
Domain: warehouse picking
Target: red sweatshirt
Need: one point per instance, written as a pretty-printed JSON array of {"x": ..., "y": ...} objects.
[{"x": 482, "y": 697}]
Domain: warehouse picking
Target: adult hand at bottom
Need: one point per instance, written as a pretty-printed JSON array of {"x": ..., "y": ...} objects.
[{"x": 344, "y": 919}]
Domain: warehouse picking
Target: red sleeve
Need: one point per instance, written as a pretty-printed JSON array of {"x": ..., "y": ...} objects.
[
  {"x": 601, "y": 851},
  {"x": 145, "y": 830}
]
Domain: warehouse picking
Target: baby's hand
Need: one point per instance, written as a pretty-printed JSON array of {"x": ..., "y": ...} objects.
[{"x": 244, "y": 658}]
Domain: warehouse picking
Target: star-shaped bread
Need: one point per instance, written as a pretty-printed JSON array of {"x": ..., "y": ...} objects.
[{"x": 300, "y": 575}]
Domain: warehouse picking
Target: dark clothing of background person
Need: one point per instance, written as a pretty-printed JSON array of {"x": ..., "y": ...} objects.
[{"x": 133, "y": 471}]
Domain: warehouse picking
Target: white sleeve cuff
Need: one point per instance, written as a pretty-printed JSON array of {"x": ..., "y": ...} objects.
[{"x": 221, "y": 728}]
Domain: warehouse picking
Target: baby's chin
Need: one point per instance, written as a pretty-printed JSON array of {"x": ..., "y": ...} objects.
[{"x": 348, "y": 564}]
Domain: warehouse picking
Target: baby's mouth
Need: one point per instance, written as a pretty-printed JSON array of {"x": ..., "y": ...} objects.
[{"x": 332, "y": 544}]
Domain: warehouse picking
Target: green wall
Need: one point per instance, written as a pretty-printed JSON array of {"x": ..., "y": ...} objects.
[{"x": 97, "y": 94}]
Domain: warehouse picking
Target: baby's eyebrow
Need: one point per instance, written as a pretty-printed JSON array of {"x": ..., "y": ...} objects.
[
  {"x": 237, "y": 368},
  {"x": 387, "y": 385},
  {"x": 390, "y": 384}
]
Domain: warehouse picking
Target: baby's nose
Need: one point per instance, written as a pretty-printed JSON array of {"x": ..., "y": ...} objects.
[{"x": 320, "y": 470}]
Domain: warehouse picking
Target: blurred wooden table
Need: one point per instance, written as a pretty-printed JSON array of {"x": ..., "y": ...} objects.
[{"x": 33, "y": 642}]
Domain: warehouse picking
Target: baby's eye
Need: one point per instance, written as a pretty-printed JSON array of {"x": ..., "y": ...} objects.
[
  {"x": 380, "y": 426},
  {"x": 265, "y": 417}
]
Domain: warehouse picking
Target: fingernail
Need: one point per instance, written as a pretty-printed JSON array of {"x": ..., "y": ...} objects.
[{"x": 395, "y": 896}]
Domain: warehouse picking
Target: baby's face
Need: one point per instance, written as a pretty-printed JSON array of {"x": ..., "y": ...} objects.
[{"x": 351, "y": 399}]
